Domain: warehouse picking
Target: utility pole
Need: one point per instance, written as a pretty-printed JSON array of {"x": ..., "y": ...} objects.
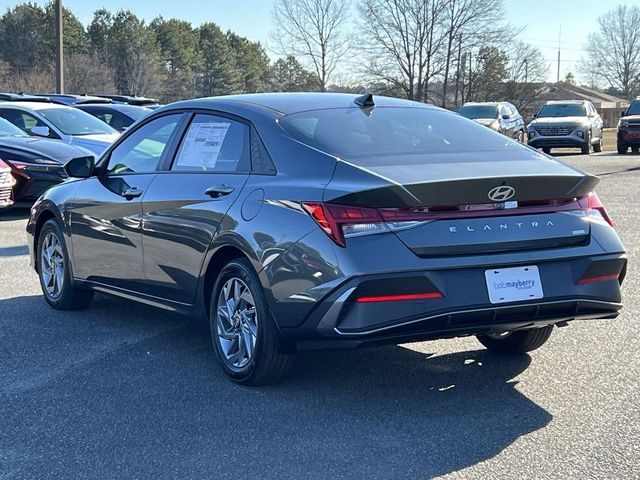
[
  {"x": 460, "y": 68},
  {"x": 59, "y": 48},
  {"x": 559, "y": 37}
]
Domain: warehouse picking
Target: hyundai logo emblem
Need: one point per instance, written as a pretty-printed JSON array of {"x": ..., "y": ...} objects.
[{"x": 502, "y": 193}]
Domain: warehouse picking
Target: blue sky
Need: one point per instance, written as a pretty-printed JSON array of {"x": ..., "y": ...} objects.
[{"x": 252, "y": 18}]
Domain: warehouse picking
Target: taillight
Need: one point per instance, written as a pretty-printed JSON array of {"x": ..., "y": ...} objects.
[
  {"x": 594, "y": 204},
  {"x": 339, "y": 221}
]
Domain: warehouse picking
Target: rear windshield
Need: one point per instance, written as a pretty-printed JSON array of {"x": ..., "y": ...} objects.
[
  {"x": 479, "y": 111},
  {"x": 563, "y": 110},
  {"x": 352, "y": 133},
  {"x": 634, "y": 108}
]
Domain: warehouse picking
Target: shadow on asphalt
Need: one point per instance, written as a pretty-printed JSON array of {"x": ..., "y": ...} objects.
[
  {"x": 14, "y": 251},
  {"x": 13, "y": 213},
  {"x": 125, "y": 391}
]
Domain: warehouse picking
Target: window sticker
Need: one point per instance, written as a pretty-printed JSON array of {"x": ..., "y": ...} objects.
[{"x": 202, "y": 145}]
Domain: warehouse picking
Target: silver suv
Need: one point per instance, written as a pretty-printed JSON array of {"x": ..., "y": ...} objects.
[{"x": 566, "y": 124}]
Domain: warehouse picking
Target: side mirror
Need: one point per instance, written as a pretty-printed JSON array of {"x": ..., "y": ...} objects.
[
  {"x": 40, "y": 131},
  {"x": 82, "y": 167},
  {"x": 506, "y": 117},
  {"x": 535, "y": 115},
  {"x": 622, "y": 114}
]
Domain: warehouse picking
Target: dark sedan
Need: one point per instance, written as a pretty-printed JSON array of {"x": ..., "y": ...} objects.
[
  {"x": 295, "y": 221},
  {"x": 36, "y": 163},
  {"x": 119, "y": 116}
]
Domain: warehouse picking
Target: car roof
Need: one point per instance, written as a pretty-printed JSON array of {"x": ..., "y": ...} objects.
[
  {"x": 294, "y": 102},
  {"x": 120, "y": 107},
  {"x": 560, "y": 102},
  {"x": 130, "y": 99},
  {"x": 33, "y": 105},
  {"x": 22, "y": 97},
  {"x": 71, "y": 99},
  {"x": 471, "y": 104}
]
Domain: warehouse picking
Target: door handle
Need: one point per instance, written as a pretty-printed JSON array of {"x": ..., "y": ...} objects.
[
  {"x": 218, "y": 191},
  {"x": 131, "y": 193}
]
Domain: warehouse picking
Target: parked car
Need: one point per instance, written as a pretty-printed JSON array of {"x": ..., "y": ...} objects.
[
  {"x": 118, "y": 115},
  {"x": 628, "y": 131},
  {"x": 309, "y": 220},
  {"x": 566, "y": 124},
  {"x": 6, "y": 185},
  {"x": 60, "y": 122},
  {"x": 36, "y": 163},
  {"x": 69, "y": 99},
  {"x": 132, "y": 100},
  {"x": 502, "y": 117}
]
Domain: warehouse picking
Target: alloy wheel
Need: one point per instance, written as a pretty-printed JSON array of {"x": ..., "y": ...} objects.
[
  {"x": 52, "y": 265},
  {"x": 237, "y": 323}
]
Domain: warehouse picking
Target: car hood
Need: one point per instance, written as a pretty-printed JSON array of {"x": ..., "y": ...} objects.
[
  {"x": 631, "y": 118},
  {"x": 484, "y": 121},
  {"x": 45, "y": 148},
  {"x": 559, "y": 121},
  {"x": 96, "y": 143}
]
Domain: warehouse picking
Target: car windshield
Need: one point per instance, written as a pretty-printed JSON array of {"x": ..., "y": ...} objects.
[
  {"x": 72, "y": 121},
  {"x": 136, "y": 112},
  {"x": 479, "y": 111},
  {"x": 360, "y": 134},
  {"x": 8, "y": 129},
  {"x": 634, "y": 108},
  {"x": 563, "y": 110}
]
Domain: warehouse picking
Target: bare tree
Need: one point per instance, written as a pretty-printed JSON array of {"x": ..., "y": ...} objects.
[
  {"x": 614, "y": 50},
  {"x": 403, "y": 39},
  {"x": 527, "y": 72},
  {"x": 314, "y": 30},
  {"x": 142, "y": 74},
  {"x": 469, "y": 23},
  {"x": 88, "y": 74},
  {"x": 588, "y": 76}
]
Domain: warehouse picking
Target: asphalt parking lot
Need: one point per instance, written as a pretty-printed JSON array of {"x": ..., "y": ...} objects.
[{"x": 126, "y": 391}]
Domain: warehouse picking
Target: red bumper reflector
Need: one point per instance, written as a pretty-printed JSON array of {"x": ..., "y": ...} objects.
[
  {"x": 601, "y": 278},
  {"x": 395, "y": 298}
]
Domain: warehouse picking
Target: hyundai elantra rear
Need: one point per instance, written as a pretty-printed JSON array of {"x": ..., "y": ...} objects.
[{"x": 354, "y": 221}]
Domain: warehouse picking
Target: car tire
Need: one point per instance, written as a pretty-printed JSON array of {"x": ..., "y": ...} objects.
[
  {"x": 622, "y": 150},
  {"x": 546, "y": 150},
  {"x": 245, "y": 338},
  {"x": 597, "y": 148},
  {"x": 518, "y": 342},
  {"x": 54, "y": 271},
  {"x": 520, "y": 137},
  {"x": 586, "y": 148}
]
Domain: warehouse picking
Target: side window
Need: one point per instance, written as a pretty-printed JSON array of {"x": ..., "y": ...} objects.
[
  {"x": 143, "y": 149},
  {"x": 20, "y": 119},
  {"x": 214, "y": 144}
]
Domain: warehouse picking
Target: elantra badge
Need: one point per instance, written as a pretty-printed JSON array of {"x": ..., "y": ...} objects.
[{"x": 501, "y": 193}]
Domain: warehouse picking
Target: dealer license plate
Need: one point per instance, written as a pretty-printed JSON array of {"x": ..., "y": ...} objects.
[{"x": 513, "y": 284}]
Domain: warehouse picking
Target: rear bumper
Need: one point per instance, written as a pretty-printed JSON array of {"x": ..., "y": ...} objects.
[{"x": 464, "y": 309}]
